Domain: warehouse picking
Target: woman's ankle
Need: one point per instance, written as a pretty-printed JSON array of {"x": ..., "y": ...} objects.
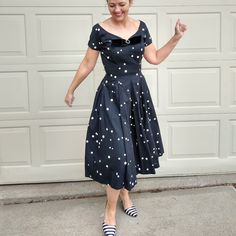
[{"x": 124, "y": 195}]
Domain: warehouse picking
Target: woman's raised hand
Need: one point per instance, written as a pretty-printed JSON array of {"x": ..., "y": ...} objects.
[
  {"x": 69, "y": 98},
  {"x": 180, "y": 28}
]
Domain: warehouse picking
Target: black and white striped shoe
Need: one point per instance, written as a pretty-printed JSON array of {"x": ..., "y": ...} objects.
[
  {"x": 109, "y": 230},
  {"x": 131, "y": 211}
]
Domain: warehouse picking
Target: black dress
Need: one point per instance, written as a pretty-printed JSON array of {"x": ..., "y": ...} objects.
[{"x": 123, "y": 136}]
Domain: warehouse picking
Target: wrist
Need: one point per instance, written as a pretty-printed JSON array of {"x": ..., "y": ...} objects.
[
  {"x": 177, "y": 36},
  {"x": 70, "y": 92}
]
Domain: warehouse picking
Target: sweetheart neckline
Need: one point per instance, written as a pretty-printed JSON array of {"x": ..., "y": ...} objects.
[{"x": 120, "y": 36}]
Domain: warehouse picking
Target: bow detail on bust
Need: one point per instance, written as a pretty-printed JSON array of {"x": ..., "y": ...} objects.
[{"x": 123, "y": 42}]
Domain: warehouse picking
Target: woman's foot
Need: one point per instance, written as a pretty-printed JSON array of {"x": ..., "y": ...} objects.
[
  {"x": 108, "y": 230},
  {"x": 128, "y": 205},
  {"x": 109, "y": 223},
  {"x": 125, "y": 198}
]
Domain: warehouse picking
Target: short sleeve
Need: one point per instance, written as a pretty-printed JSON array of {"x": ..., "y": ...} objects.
[
  {"x": 94, "y": 39},
  {"x": 146, "y": 35}
]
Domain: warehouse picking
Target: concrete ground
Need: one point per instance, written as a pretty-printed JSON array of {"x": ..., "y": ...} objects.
[{"x": 206, "y": 211}]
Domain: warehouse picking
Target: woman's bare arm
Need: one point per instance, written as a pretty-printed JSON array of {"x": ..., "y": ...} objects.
[
  {"x": 154, "y": 56},
  {"x": 85, "y": 68}
]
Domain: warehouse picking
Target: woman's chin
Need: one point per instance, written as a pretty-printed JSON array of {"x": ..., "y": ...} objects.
[{"x": 119, "y": 17}]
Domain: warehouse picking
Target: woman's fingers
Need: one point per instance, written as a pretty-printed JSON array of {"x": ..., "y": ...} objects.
[
  {"x": 69, "y": 99},
  {"x": 180, "y": 28}
]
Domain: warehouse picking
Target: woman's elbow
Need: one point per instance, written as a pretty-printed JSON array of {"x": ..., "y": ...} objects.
[{"x": 153, "y": 61}]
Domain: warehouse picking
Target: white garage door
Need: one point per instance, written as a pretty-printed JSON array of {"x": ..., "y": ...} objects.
[{"x": 194, "y": 91}]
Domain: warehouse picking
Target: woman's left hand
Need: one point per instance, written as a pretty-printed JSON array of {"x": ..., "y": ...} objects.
[{"x": 180, "y": 28}]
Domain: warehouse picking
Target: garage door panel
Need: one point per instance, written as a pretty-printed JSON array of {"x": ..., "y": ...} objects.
[
  {"x": 232, "y": 135},
  {"x": 205, "y": 27},
  {"x": 233, "y": 14},
  {"x": 53, "y": 87},
  {"x": 191, "y": 87},
  {"x": 12, "y": 30},
  {"x": 62, "y": 34},
  {"x": 14, "y": 89},
  {"x": 197, "y": 139},
  {"x": 15, "y": 146},
  {"x": 62, "y": 144},
  {"x": 233, "y": 87}
]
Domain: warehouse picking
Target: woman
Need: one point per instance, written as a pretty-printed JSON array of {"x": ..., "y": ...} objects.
[{"x": 123, "y": 136}]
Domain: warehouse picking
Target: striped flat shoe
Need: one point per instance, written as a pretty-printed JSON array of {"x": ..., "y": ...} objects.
[
  {"x": 131, "y": 211},
  {"x": 109, "y": 230}
]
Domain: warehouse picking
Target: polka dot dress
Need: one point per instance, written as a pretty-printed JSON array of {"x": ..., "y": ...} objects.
[{"x": 123, "y": 136}]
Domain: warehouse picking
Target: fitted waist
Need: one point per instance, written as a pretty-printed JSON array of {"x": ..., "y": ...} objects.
[
  {"x": 123, "y": 71},
  {"x": 122, "y": 78}
]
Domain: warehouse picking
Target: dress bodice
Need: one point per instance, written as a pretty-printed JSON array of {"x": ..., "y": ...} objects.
[{"x": 120, "y": 56}]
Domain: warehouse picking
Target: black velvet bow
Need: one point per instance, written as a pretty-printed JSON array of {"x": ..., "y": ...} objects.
[{"x": 123, "y": 42}]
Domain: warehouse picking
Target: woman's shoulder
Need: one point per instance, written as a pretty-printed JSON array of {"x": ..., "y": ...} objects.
[
  {"x": 105, "y": 22},
  {"x": 136, "y": 21}
]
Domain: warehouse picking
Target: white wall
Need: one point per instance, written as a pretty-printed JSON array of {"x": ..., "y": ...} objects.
[{"x": 194, "y": 90}]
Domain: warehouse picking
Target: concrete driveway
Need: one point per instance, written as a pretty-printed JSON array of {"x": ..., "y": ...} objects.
[{"x": 207, "y": 211}]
